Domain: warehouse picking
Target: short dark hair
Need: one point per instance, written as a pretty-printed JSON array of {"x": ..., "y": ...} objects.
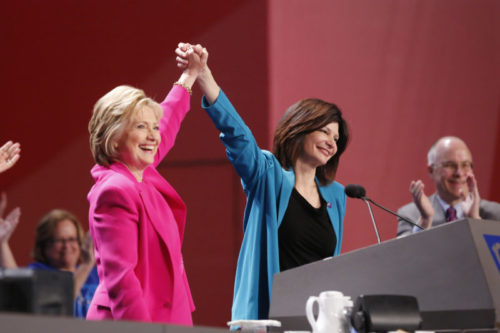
[
  {"x": 45, "y": 232},
  {"x": 302, "y": 118}
]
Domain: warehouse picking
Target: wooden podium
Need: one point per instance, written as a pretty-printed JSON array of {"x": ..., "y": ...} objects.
[{"x": 452, "y": 269}]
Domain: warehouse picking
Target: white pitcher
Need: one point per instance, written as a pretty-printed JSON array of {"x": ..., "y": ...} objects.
[{"x": 332, "y": 312}]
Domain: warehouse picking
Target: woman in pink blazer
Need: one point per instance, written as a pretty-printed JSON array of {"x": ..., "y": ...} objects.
[{"x": 136, "y": 218}]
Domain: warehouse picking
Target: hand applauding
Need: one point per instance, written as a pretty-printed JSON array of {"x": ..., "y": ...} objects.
[
  {"x": 471, "y": 201},
  {"x": 9, "y": 223},
  {"x": 10, "y": 153},
  {"x": 423, "y": 204}
]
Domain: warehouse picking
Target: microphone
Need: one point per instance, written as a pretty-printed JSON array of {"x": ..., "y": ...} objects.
[
  {"x": 355, "y": 191},
  {"x": 358, "y": 192}
]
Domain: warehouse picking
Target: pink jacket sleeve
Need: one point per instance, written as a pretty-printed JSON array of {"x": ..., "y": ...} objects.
[
  {"x": 116, "y": 238},
  {"x": 175, "y": 107}
]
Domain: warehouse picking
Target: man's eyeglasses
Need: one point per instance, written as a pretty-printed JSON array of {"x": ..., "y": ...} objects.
[{"x": 453, "y": 167}]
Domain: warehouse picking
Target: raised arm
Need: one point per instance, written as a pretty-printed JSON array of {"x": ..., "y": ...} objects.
[
  {"x": 176, "y": 104},
  {"x": 249, "y": 161},
  {"x": 206, "y": 81}
]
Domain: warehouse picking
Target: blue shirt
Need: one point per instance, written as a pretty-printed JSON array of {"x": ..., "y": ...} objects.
[{"x": 84, "y": 297}]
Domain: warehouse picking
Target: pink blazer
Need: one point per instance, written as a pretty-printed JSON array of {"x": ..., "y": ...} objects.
[{"x": 137, "y": 230}]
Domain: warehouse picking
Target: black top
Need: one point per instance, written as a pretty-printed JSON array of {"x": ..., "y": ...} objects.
[{"x": 305, "y": 234}]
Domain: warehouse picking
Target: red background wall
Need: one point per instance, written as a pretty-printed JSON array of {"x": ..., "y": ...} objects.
[{"x": 404, "y": 73}]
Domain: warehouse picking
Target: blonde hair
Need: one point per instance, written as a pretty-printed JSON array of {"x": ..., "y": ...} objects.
[{"x": 112, "y": 113}]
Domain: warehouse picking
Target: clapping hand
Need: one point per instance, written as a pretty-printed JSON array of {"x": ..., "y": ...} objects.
[
  {"x": 423, "y": 204},
  {"x": 471, "y": 201},
  {"x": 9, "y": 223},
  {"x": 10, "y": 153}
]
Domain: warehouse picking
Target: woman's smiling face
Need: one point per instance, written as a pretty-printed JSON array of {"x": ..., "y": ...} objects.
[
  {"x": 139, "y": 143},
  {"x": 320, "y": 145}
]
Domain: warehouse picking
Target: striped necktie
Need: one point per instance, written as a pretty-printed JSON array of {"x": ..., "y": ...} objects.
[{"x": 451, "y": 214}]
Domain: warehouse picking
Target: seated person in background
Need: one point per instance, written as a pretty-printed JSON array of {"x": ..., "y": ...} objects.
[
  {"x": 59, "y": 245},
  {"x": 10, "y": 153},
  {"x": 457, "y": 196}
]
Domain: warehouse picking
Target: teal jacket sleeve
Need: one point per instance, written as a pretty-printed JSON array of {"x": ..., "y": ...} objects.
[{"x": 242, "y": 150}]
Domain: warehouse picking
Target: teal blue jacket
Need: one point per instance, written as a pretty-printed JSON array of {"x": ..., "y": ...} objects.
[{"x": 268, "y": 188}]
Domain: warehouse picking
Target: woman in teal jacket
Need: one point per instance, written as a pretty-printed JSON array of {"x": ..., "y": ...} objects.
[{"x": 295, "y": 210}]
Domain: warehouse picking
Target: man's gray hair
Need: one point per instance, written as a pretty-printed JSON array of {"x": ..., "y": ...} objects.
[{"x": 431, "y": 155}]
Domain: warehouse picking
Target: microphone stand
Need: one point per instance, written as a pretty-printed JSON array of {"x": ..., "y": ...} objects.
[
  {"x": 391, "y": 212},
  {"x": 367, "y": 200}
]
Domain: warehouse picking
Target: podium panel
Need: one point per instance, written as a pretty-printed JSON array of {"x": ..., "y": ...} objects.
[
  {"x": 38, "y": 291},
  {"x": 452, "y": 269},
  {"x": 22, "y": 323}
]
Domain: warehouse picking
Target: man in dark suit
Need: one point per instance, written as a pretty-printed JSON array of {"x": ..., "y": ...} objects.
[{"x": 450, "y": 167}]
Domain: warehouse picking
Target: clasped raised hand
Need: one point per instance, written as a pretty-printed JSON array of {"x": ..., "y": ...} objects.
[{"x": 188, "y": 56}]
